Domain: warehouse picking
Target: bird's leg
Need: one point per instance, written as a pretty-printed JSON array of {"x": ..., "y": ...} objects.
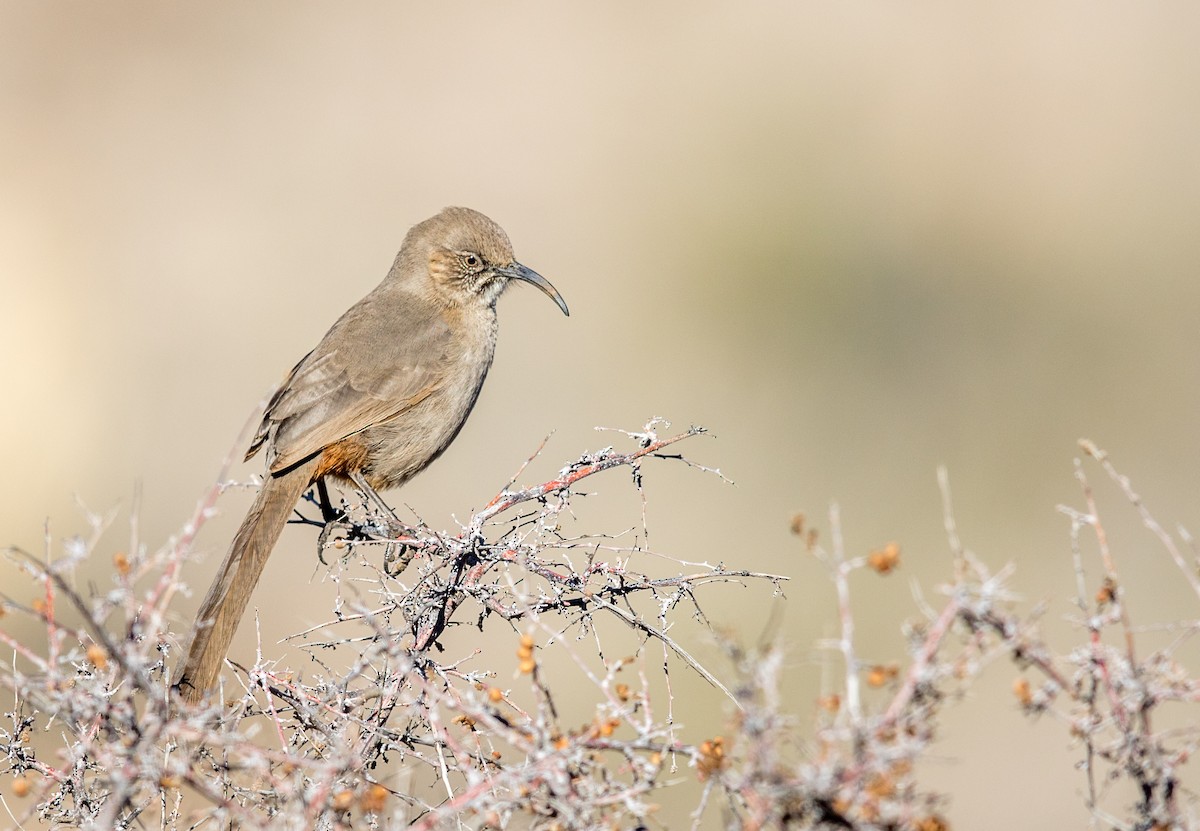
[
  {"x": 372, "y": 494},
  {"x": 328, "y": 512},
  {"x": 396, "y": 556}
]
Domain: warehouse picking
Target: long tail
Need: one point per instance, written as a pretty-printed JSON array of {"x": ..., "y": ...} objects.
[{"x": 230, "y": 591}]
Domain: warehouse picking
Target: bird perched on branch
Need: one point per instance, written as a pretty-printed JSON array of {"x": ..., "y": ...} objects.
[{"x": 380, "y": 397}]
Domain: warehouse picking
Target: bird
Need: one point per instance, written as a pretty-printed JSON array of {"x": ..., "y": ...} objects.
[{"x": 383, "y": 394}]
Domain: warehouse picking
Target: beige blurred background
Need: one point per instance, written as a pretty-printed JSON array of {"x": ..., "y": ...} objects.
[{"x": 854, "y": 240}]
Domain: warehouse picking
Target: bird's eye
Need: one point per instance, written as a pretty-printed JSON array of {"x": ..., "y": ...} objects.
[{"x": 471, "y": 260}]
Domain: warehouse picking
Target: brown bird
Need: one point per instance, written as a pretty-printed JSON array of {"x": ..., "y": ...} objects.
[{"x": 383, "y": 394}]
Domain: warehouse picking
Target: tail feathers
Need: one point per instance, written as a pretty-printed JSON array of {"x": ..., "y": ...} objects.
[{"x": 230, "y": 591}]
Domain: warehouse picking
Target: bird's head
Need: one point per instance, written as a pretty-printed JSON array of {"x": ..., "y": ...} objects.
[{"x": 469, "y": 258}]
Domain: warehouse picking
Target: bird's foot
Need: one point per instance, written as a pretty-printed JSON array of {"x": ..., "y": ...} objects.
[
  {"x": 396, "y": 557},
  {"x": 340, "y": 535}
]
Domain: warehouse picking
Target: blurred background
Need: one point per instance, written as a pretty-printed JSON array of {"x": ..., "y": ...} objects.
[{"x": 856, "y": 241}]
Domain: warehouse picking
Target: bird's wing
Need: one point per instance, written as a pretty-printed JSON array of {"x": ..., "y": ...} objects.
[{"x": 379, "y": 359}]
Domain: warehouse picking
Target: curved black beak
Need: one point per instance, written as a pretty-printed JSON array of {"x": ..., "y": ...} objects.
[{"x": 516, "y": 271}]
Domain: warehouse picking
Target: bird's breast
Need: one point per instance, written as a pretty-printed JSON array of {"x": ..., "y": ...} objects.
[{"x": 403, "y": 446}]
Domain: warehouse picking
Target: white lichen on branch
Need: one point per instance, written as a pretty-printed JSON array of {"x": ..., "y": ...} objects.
[
  {"x": 334, "y": 746},
  {"x": 410, "y": 728}
]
